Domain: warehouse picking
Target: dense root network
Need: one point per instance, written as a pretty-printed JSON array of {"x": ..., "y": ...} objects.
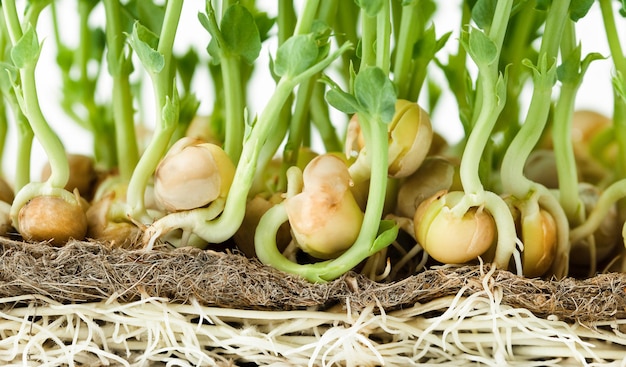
[{"x": 455, "y": 330}]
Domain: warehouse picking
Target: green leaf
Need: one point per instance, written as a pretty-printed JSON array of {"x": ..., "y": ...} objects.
[
  {"x": 148, "y": 13},
  {"x": 8, "y": 76},
  {"x": 482, "y": 13},
  {"x": 441, "y": 42},
  {"x": 593, "y": 56},
  {"x": 209, "y": 22},
  {"x": 544, "y": 73},
  {"x": 371, "y": 7},
  {"x": 171, "y": 109},
  {"x": 295, "y": 55},
  {"x": 342, "y": 101},
  {"x": 543, "y": 4},
  {"x": 573, "y": 68},
  {"x": 25, "y": 52},
  {"x": 145, "y": 44},
  {"x": 480, "y": 47},
  {"x": 387, "y": 233},
  {"x": 500, "y": 88},
  {"x": 619, "y": 86},
  {"x": 568, "y": 71},
  {"x": 428, "y": 45},
  {"x": 579, "y": 8},
  {"x": 188, "y": 107},
  {"x": 264, "y": 24},
  {"x": 240, "y": 33},
  {"x": 186, "y": 66},
  {"x": 375, "y": 93}
]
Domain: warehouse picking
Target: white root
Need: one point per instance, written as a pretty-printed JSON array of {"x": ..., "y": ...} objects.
[{"x": 455, "y": 330}]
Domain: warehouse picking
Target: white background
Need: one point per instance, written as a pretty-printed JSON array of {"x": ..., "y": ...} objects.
[{"x": 595, "y": 92}]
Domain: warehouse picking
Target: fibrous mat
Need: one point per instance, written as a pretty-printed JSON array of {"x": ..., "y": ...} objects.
[{"x": 87, "y": 303}]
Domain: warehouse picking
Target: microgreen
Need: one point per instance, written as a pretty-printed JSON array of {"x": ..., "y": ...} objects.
[{"x": 354, "y": 72}]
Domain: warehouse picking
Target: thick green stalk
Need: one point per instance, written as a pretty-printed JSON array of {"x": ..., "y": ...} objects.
[
  {"x": 126, "y": 141},
  {"x": 404, "y": 49},
  {"x": 4, "y": 125},
  {"x": 368, "y": 39},
  {"x": 513, "y": 180},
  {"x": 609, "y": 197},
  {"x": 234, "y": 105},
  {"x": 305, "y": 20},
  {"x": 489, "y": 105},
  {"x": 49, "y": 141},
  {"x": 569, "y": 197},
  {"x": 517, "y": 153},
  {"x": 619, "y": 61},
  {"x": 479, "y": 136},
  {"x": 286, "y": 20},
  {"x": 52, "y": 145},
  {"x": 12, "y": 21},
  {"x": 164, "y": 95},
  {"x": 383, "y": 38},
  {"x": 25, "y": 138},
  {"x": 321, "y": 120},
  {"x": 4, "y": 41},
  {"x": 298, "y": 127},
  {"x": 612, "y": 34}
]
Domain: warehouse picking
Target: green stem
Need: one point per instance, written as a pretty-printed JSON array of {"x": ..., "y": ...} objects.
[
  {"x": 4, "y": 125},
  {"x": 119, "y": 68},
  {"x": 619, "y": 60},
  {"x": 49, "y": 141},
  {"x": 164, "y": 93},
  {"x": 569, "y": 197},
  {"x": 286, "y": 20},
  {"x": 321, "y": 120},
  {"x": 368, "y": 40},
  {"x": 496, "y": 32},
  {"x": 165, "y": 46},
  {"x": 615, "y": 192},
  {"x": 12, "y": 21},
  {"x": 55, "y": 23},
  {"x": 298, "y": 126},
  {"x": 564, "y": 153},
  {"x": 25, "y": 137},
  {"x": 617, "y": 54},
  {"x": 24, "y": 131},
  {"x": 479, "y": 136},
  {"x": 512, "y": 175},
  {"x": 619, "y": 127},
  {"x": 305, "y": 20},
  {"x": 505, "y": 224},
  {"x": 346, "y": 28},
  {"x": 234, "y": 105},
  {"x": 489, "y": 105},
  {"x": 383, "y": 38},
  {"x": 404, "y": 49},
  {"x": 52, "y": 145}
]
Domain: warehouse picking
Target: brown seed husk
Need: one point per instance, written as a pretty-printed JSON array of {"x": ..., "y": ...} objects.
[{"x": 89, "y": 271}]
